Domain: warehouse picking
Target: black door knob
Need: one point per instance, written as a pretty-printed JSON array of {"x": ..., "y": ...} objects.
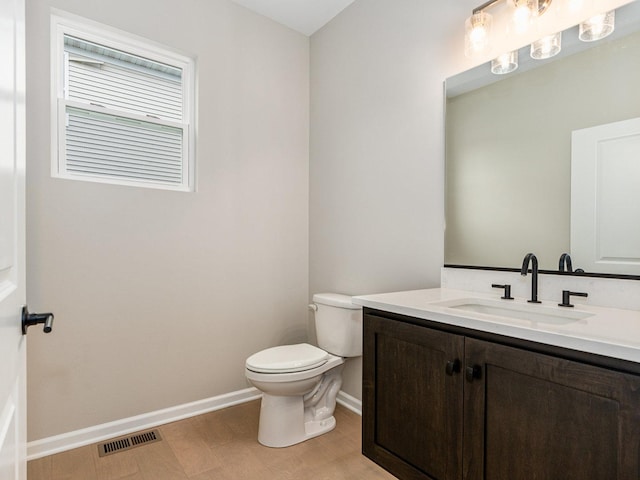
[{"x": 29, "y": 319}]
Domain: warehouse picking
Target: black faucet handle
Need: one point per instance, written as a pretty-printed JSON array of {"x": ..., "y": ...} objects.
[
  {"x": 566, "y": 297},
  {"x": 507, "y": 290}
]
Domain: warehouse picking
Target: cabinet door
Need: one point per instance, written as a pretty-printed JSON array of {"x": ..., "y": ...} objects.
[
  {"x": 532, "y": 416},
  {"x": 412, "y": 403}
]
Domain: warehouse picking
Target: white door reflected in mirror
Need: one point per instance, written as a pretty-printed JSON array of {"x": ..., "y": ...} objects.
[{"x": 605, "y": 198}]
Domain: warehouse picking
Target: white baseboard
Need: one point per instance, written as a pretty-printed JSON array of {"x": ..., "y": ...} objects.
[
  {"x": 349, "y": 402},
  {"x": 98, "y": 433},
  {"x": 105, "y": 431}
]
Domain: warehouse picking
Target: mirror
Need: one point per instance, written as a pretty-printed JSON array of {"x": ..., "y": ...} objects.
[{"x": 509, "y": 147}]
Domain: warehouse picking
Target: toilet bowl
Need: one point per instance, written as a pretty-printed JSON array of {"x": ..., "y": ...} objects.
[
  {"x": 300, "y": 382},
  {"x": 297, "y": 403}
]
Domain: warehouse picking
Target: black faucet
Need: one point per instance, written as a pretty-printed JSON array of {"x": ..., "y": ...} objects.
[
  {"x": 565, "y": 259},
  {"x": 530, "y": 257}
]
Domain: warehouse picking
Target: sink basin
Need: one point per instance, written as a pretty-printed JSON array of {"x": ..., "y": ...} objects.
[{"x": 521, "y": 311}]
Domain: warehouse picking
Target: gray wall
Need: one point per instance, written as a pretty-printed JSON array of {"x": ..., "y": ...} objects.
[
  {"x": 377, "y": 144},
  {"x": 160, "y": 296},
  {"x": 377, "y": 147}
]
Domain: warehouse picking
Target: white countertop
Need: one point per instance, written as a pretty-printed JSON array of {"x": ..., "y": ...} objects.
[{"x": 607, "y": 331}]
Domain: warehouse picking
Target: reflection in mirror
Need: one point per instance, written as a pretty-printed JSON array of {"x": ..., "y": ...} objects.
[
  {"x": 605, "y": 199},
  {"x": 509, "y": 147}
]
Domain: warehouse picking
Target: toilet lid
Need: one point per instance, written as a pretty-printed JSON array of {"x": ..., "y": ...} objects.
[{"x": 287, "y": 359}]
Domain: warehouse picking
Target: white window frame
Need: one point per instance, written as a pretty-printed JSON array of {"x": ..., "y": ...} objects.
[{"x": 63, "y": 24}]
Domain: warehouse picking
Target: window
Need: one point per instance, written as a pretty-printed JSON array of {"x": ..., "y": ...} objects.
[{"x": 122, "y": 108}]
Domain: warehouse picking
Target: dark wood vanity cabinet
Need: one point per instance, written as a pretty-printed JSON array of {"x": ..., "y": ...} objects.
[
  {"x": 412, "y": 415},
  {"x": 499, "y": 413}
]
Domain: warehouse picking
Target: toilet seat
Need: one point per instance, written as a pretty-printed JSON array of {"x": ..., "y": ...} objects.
[{"x": 287, "y": 359}]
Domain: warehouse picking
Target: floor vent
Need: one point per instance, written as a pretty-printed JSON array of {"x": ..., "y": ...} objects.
[{"x": 127, "y": 443}]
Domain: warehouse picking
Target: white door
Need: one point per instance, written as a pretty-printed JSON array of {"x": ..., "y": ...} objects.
[
  {"x": 12, "y": 277},
  {"x": 605, "y": 198}
]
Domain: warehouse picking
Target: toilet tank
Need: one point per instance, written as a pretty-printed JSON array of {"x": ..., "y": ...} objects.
[{"x": 338, "y": 324}]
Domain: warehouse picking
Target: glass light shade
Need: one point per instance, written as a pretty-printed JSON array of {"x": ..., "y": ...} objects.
[
  {"x": 477, "y": 29},
  {"x": 522, "y": 15},
  {"x": 546, "y": 47},
  {"x": 597, "y": 27},
  {"x": 505, "y": 63}
]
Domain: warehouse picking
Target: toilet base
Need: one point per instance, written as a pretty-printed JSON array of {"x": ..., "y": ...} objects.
[
  {"x": 318, "y": 427},
  {"x": 282, "y": 422}
]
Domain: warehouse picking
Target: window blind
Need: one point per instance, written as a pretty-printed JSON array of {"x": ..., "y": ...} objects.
[
  {"x": 108, "y": 94},
  {"x": 122, "y": 81},
  {"x": 107, "y": 145}
]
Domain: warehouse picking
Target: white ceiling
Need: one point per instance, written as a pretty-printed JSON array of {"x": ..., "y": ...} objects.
[{"x": 304, "y": 16}]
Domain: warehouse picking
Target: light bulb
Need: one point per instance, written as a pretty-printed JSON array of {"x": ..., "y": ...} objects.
[
  {"x": 523, "y": 13},
  {"x": 575, "y": 5},
  {"x": 521, "y": 19},
  {"x": 478, "y": 35}
]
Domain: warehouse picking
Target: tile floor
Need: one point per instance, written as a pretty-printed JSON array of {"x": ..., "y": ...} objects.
[{"x": 221, "y": 445}]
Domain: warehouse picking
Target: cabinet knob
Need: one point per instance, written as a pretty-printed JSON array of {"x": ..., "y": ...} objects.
[
  {"x": 472, "y": 373},
  {"x": 453, "y": 366}
]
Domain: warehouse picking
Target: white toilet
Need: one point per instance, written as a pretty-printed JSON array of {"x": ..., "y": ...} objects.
[{"x": 300, "y": 382}]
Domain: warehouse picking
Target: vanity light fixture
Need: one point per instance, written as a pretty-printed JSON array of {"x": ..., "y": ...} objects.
[
  {"x": 523, "y": 14},
  {"x": 597, "y": 27},
  {"x": 478, "y": 25},
  {"x": 505, "y": 63}
]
